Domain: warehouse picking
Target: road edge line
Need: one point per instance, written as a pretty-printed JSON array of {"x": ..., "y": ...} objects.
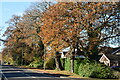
[{"x": 4, "y": 75}]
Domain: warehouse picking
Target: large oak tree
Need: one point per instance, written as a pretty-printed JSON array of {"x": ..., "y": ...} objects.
[{"x": 82, "y": 25}]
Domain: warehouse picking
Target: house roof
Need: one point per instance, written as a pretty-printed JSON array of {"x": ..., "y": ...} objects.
[
  {"x": 113, "y": 57},
  {"x": 110, "y": 53},
  {"x": 104, "y": 58},
  {"x": 109, "y": 50},
  {"x": 117, "y": 50}
]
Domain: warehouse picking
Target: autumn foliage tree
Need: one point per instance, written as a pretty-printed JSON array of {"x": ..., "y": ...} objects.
[
  {"x": 80, "y": 26},
  {"x": 22, "y": 34},
  {"x": 49, "y": 28}
]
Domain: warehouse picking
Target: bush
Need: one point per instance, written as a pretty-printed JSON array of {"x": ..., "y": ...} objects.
[
  {"x": 116, "y": 74},
  {"x": 67, "y": 64},
  {"x": 89, "y": 68},
  {"x": 36, "y": 64},
  {"x": 50, "y": 64},
  {"x": 101, "y": 72},
  {"x": 77, "y": 62}
]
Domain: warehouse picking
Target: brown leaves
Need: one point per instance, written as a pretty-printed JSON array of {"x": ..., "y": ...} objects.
[
  {"x": 63, "y": 22},
  {"x": 61, "y": 25}
]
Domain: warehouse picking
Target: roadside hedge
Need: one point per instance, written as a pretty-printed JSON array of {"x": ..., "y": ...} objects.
[
  {"x": 67, "y": 64},
  {"x": 90, "y": 68},
  {"x": 94, "y": 69},
  {"x": 77, "y": 62}
]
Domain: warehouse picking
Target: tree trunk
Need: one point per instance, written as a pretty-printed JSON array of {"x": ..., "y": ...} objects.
[
  {"x": 58, "y": 62},
  {"x": 72, "y": 60},
  {"x": 72, "y": 65}
]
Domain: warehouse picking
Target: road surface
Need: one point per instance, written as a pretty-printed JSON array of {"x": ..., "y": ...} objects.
[{"x": 15, "y": 73}]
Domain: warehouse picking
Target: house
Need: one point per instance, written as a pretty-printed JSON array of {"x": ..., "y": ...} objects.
[
  {"x": 63, "y": 54},
  {"x": 67, "y": 54},
  {"x": 111, "y": 58}
]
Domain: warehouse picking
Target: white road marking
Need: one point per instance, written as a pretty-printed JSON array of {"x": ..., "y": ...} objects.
[
  {"x": 4, "y": 76},
  {"x": 29, "y": 76},
  {"x": 22, "y": 72}
]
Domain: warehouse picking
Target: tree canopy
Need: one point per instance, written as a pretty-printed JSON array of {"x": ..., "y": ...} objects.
[{"x": 82, "y": 26}]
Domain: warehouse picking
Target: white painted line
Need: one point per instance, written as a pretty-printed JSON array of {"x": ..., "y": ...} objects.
[
  {"x": 22, "y": 72},
  {"x": 28, "y": 76},
  {"x": 4, "y": 76}
]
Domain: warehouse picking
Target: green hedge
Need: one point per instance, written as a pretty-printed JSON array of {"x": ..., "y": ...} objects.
[
  {"x": 67, "y": 64},
  {"x": 94, "y": 69},
  {"x": 77, "y": 62},
  {"x": 89, "y": 68}
]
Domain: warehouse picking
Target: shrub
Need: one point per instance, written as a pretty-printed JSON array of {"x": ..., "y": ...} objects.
[
  {"x": 67, "y": 64},
  {"x": 84, "y": 70},
  {"x": 50, "y": 64},
  {"x": 89, "y": 68},
  {"x": 37, "y": 64},
  {"x": 77, "y": 62},
  {"x": 101, "y": 72},
  {"x": 116, "y": 74}
]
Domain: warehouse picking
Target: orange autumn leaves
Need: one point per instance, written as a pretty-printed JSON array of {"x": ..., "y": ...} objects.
[
  {"x": 63, "y": 22},
  {"x": 60, "y": 25}
]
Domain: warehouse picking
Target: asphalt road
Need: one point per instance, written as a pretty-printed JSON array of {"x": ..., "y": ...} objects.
[{"x": 15, "y": 73}]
